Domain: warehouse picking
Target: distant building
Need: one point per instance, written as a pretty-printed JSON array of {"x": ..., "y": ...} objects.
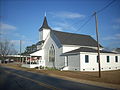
[
  {"x": 69, "y": 51},
  {"x": 117, "y": 50}
]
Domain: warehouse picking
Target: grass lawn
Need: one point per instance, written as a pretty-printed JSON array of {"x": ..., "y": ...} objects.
[{"x": 112, "y": 77}]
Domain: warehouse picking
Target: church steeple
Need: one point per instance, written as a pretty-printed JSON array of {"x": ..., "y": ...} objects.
[
  {"x": 45, "y": 24},
  {"x": 44, "y": 29}
]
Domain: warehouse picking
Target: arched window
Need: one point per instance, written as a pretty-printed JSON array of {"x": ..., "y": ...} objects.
[{"x": 52, "y": 54}]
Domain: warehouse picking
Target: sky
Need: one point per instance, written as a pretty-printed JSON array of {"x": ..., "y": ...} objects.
[{"x": 21, "y": 19}]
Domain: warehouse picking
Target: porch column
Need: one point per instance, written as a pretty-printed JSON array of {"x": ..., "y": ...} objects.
[
  {"x": 66, "y": 61},
  {"x": 30, "y": 60},
  {"x": 22, "y": 59},
  {"x": 26, "y": 60}
]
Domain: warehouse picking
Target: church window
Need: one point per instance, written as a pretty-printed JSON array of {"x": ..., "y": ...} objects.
[
  {"x": 116, "y": 58},
  {"x": 86, "y": 59},
  {"x": 108, "y": 59},
  {"x": 52, "y": 54}
]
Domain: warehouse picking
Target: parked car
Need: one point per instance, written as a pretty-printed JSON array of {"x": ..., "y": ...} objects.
[
  {"x": 6, "y": 60},
  {"x": 0, "y": 61},
  {"x": 11, "y": 60}
]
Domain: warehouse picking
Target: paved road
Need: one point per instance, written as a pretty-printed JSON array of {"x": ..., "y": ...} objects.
[{"x": 11, "y": 79}]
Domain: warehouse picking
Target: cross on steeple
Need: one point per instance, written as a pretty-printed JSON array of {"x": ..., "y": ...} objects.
[{"x": 45, "y": 14}]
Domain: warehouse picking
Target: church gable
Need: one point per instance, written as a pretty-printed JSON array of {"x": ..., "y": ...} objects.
[{"x": 55, "y": 39}]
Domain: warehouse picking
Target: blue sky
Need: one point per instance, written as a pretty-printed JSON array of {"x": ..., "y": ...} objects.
[{"x": 21, "y": 19}]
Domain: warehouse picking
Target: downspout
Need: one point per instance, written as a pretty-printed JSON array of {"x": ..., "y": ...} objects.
[
  {"x": 30, "y": 60},
  {"x": 79, "y": 62}
]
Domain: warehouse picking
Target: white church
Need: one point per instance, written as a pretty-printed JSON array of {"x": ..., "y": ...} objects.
[{"x": 69, "y": 51}]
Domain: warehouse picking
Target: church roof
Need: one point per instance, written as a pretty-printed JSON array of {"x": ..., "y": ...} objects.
[
  {"x": 70, "y": 38},
  {"x": 75, "y": 39},
  {"x": 45, "y": 24}
]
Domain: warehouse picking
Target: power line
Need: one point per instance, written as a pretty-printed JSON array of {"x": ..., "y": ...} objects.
[
  {"x": 96, "y": 12},
  {"x": 89, "y": 18},
  {"x": 97, "y": 35},
  {"x": 76, "y": 24},
  {"x": 102, "y": 9},
  {"x": 84, "y": 23}
]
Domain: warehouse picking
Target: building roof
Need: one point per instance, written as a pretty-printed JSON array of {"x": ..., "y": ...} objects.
[
  {"x": 40, "y": 42},
  {"x": 75, "y": 39},
  {"x": 117, "y": 50},
  {"x": 86, "y": 49},
  {"x": 45, "y": 24},
  {"x": 37, "y": 53}
]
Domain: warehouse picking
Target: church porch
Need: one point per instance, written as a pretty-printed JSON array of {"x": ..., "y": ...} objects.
[{"x": 34, "y": 60}]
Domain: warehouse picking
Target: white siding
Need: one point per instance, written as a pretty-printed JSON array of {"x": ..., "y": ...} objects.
[
  {"x": 59, "y": 60},
  {"x": 93, "y": 65},
  {"x": 40, "y": 35},
  {"x": 43, "y": 34}
]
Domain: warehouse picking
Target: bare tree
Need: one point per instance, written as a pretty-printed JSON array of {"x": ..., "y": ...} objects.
[{"x": 6, "y": 48}]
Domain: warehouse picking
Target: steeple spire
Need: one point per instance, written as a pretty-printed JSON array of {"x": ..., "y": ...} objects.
[{"x": 45, "y": 24}]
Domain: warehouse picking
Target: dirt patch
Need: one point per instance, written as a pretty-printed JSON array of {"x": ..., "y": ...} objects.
[{"x": 112, "y": 77}]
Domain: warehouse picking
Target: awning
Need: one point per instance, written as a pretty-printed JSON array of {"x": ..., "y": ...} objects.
[{"x": 37, "y": 53}]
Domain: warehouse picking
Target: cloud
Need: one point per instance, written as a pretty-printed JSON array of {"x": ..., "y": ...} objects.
[
  {"x": 64, "y": 26},
  {"x": 16, "y": 42},
  {"x": 112, "y": 41},
  {"x": 4, "y": 26},
  {"x": 117, "y": 20},
  {"x": 23, "y": 42},
  {"x": 116, "y": 24},
  {"x": 5, "y": 29},
  {"x": 113, "y": 37},
  {"x": 8, "y": 30},
  {"x": 58, "y": 28},
  {"x": 68, "y": 15},
  {"x": 23, "y": 37}
]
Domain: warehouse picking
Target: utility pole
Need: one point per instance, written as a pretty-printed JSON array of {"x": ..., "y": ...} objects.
[
  {"x": 98, "y": 47},
  {"x": 20, "y": 50}
]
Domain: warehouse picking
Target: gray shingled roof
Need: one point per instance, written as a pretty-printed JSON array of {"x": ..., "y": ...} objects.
[
  {"x": 85, "y": 49},
  {"x": 71, "y": 38},
  {"x": 75, "y": 39},
  {"x": 117, "y": 50},
  {"x": 45, "y": 24}
]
